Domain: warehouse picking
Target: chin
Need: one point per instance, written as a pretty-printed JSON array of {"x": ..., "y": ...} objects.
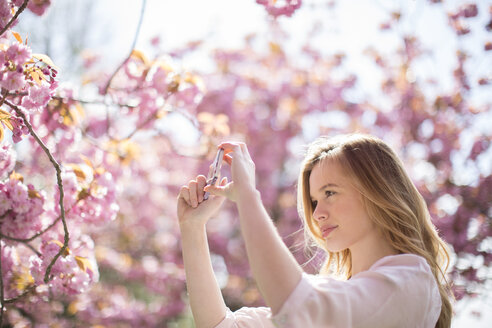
[{"x": 335, "y": 248}]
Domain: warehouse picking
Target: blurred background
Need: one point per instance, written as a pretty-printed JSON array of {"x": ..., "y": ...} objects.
[{"x": 416, "y": 73}]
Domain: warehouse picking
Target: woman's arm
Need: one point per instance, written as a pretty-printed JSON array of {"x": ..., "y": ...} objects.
[
  {"x": 276, "y": 271},
  {"x": 206, "y": 301}
]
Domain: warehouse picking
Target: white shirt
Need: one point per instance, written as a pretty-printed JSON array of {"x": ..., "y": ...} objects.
[{"x": 397, "y": 291}]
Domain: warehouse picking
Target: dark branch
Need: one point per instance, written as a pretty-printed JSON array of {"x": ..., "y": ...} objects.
[
  {"x": 25, "y": 293},
  {"x": 19, "y": 11},
  {"x": 26, "y": 240},
  {"x": 59, "y": 182}
]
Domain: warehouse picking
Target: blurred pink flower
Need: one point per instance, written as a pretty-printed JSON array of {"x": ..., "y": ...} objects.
[
  {"x": 38, "y": 6},
  {"x": 469, "y": 10},
  {"x": 7, "y": 159},
  {"x": 287, "y": 7}
]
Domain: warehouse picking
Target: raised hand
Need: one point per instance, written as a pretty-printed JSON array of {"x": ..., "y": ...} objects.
[
  {"x": 192, "y": 207},
  {"x": 242, "y": 171}
]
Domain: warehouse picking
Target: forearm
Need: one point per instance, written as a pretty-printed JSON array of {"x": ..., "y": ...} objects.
[
  {"x": 206, "y": 301},
  {"x": 276, "y": 271}
]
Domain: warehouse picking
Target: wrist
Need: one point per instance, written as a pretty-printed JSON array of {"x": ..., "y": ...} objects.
[
  {"x": 191, "y": 227},
  {"x": 248, "y": 194}
]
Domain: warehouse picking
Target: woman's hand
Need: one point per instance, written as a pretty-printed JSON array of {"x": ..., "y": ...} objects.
[
  {"x": 242, "y": 171},
  {"x": 192, "y": 208}
]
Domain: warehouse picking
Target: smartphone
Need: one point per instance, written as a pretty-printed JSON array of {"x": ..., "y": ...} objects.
[{"x": 214, "y": 173}]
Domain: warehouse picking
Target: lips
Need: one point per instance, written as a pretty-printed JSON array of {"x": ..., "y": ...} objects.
[{"x": 326, "y": 231}]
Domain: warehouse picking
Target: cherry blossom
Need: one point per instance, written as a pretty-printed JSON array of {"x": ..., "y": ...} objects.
[{"x": 111, "y": 255}]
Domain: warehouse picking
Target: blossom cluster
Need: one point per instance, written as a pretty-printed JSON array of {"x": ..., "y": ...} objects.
[
  {"x": 21, "y": 207},
  {"x": 280, "y": 8},
  {"x": 28, "y": 82},
  {"x": 89, "y": 199},
  {"x": 9, "y": 7},
  {"x": 147, "y": 89}
]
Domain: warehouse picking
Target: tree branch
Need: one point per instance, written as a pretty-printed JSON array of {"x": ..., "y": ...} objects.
[
  {"x": 108, "y": 84},
  {"x": 25, "y": 293},
  {"x": 26, "y": 240},
  {"x": 19, "y": 11},
  {"x": 59, "y": 182},
  {"x": 94, "y": 102}
]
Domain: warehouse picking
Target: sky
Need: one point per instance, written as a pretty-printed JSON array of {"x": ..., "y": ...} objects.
[{"x": 224, "y": 23}]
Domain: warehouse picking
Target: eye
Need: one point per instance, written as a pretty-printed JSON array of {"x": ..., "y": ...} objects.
[
  {"x": 314, "y": 203},
  {"x": 329, "y": 193}
]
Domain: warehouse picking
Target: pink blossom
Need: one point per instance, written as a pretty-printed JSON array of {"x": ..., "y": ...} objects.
[
  {"x": 36, "y": 202},
  {"x": 10, "y": 264},
  {"x": 287, "y": 8},
  {"x": 25, "y": 205},
  {"x": 68, "y": 277},
  {"x": 159, "y": 81},
  {"x": 97, "y": 127},
  {"x": 38, "y": 6},
  {"x": 18, "y": 3},
  {"x": 71, "y": 189},
  {"x": 155, "y": 41},
  {"x": 479, "y": 147},
  {"x": 18, "y": 53},
  {"x": 13, "y": 80},
  {"x": 7, "y": 159},
  {"x": 19, "y": 128},
  {"x": 17, "y": 191},
  {"x": 5, "y": 13},
  {"x": 38, "y": 97},
  {"x": 469, "y": 10},
  {"x": 5, "y": 202}
]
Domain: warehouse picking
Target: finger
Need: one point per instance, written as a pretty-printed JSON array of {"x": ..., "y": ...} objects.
[
  {"x": 228, "y": 159},
  {"x": 231, "y": 147},
  {"x": 184, "y": 193},
  {"x": 222, "y": 183},
  {"x": 182, "y": 204},
  {"x": 245, "y": 150},
  {"x": 210, "y": 169},
  {"x": 201, "y": 183},
  {"x": 193, "y": 193},
  {"x": 220, "y": 190}
]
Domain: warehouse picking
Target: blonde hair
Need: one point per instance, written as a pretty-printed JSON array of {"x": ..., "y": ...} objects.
[{"x": 391, "y": 200}]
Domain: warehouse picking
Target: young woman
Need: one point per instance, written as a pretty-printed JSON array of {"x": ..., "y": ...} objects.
[{"x": 359, "y": 205}]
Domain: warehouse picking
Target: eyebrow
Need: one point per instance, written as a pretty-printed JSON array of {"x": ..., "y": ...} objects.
[
  {"x": 325, "y": 186},
  {"x": 328, "y": 185}
]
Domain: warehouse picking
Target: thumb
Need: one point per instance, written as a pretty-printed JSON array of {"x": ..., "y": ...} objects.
[{"x": 219, "y": 190}]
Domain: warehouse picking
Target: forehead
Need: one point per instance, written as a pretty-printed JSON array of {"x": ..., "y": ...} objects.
[{"x": 325, "y": 172}]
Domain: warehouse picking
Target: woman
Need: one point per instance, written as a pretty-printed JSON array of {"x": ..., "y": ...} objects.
[{"x": 359, "y": 205}]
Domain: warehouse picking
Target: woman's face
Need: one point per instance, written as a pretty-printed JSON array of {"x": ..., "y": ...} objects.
[{"x": 338, "y": 208}]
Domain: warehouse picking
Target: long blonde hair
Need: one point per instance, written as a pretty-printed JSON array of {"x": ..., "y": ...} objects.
[{"x": 391, "y": 199}]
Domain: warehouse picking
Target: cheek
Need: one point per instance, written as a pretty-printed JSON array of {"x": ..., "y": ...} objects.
[{"x": 356, "y": 216}]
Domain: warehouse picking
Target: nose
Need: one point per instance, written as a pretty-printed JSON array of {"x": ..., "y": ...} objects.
[{"x": 320, "y": 213}]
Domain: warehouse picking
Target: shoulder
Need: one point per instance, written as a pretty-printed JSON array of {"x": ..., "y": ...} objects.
[
  {"x": 406, "y": 260},
  {"x": 402, "y": 267},
  {"x": 407, "y": 273},
  {"x": 397, "y": 291},
  {"x": 415, "y": 289},
  {"x": 247, "y": 317}
]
